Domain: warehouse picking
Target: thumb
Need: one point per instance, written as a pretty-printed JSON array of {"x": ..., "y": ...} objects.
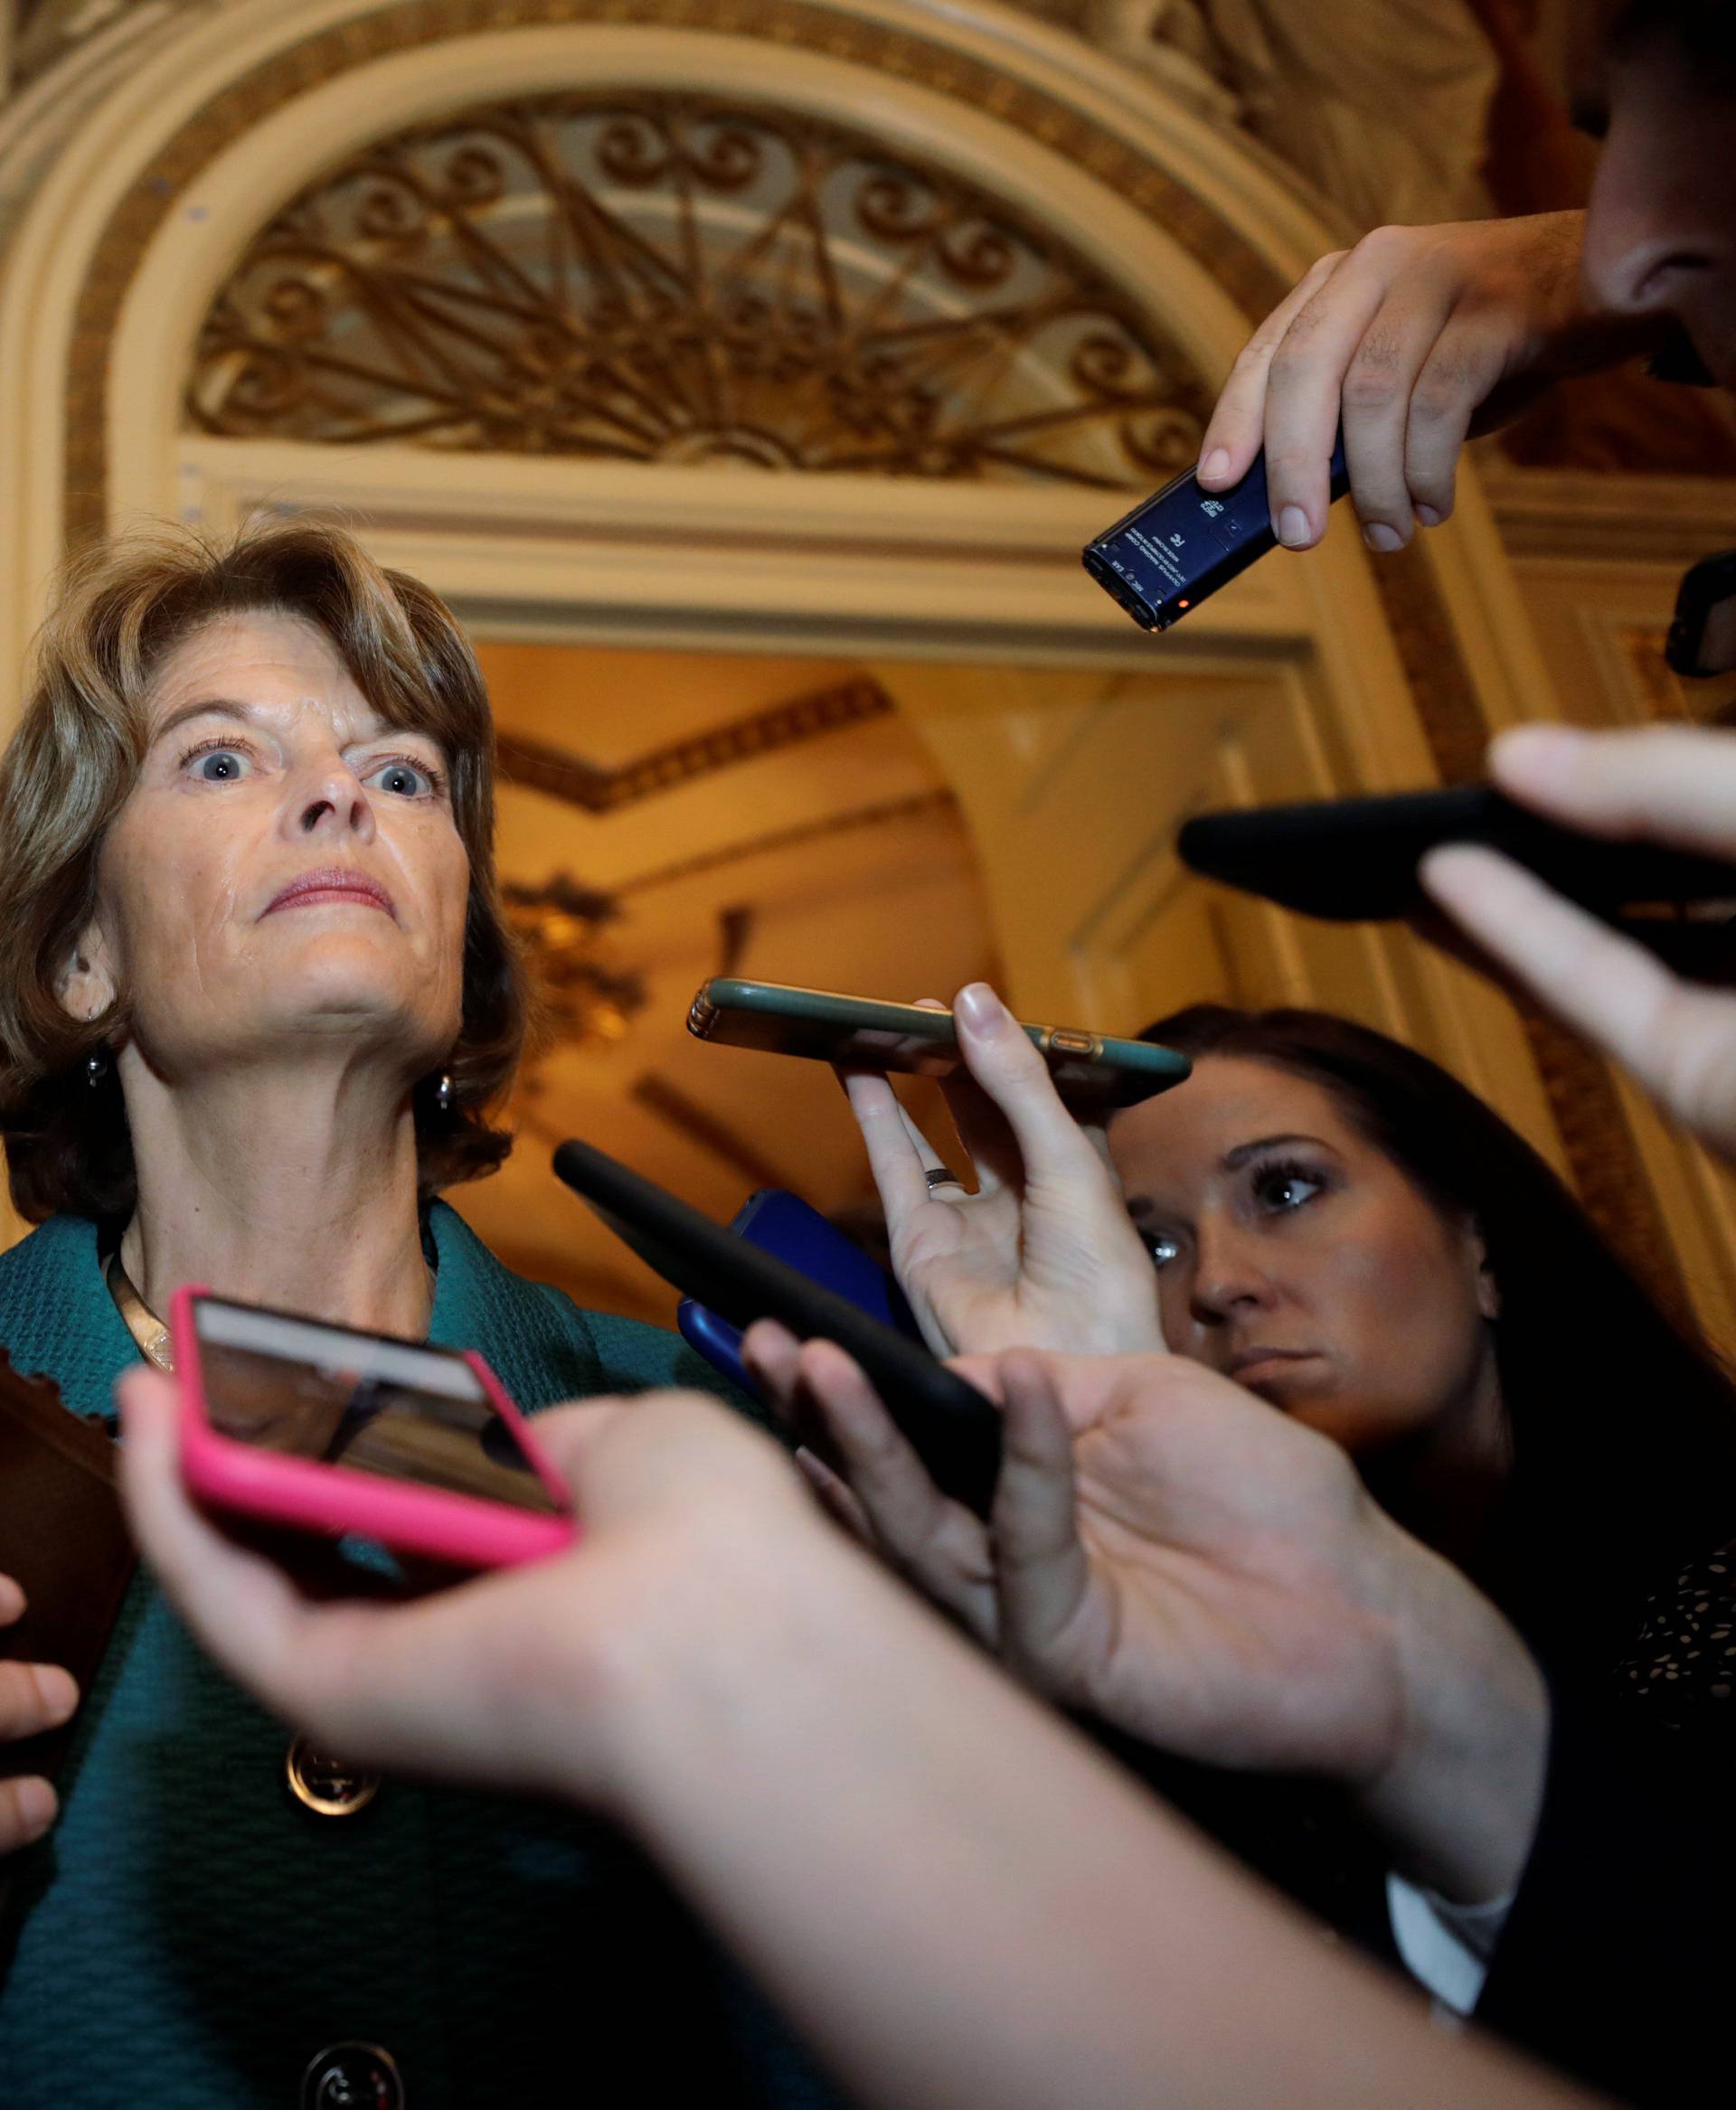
[
  {"x": 567, "y": 1435},
  {"x": 1039, "y": 1559}
]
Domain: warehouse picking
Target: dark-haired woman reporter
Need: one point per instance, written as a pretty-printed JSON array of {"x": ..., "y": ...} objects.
[
  {"x": 1331, "y": 1219},
  {"x": 256, "y": 997}
]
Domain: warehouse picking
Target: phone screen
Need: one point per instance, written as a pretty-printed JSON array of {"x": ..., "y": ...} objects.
[{"x": 388, "y": 1408}]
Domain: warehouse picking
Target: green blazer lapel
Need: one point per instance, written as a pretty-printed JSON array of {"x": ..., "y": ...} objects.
[
  {"x": 57, "y": 1318},
  {"x": 538, "y": 1342}
]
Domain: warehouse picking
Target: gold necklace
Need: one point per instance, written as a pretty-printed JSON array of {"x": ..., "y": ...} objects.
[{"x": 141, "y": 1322}]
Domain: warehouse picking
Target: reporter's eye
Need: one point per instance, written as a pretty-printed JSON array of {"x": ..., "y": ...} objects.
[
  {"x": 1161, "y": 1248},
  {"x": 1285, "y": 1187}
]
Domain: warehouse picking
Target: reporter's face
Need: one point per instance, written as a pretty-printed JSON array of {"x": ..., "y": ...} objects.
[
  {"x": 1660, "y": 234},
  {"x": 268, "y": 770},
  {"x": 1299, "y": 1259}
]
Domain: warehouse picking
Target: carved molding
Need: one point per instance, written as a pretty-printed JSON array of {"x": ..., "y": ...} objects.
[
  {"x": 541, "y": 767},
  {"x": 882, "y": 814},
  {"x": 1621, "y": 518},
  {"x": 1184, "y": 217},
  {"x": 657, "y": 278}
]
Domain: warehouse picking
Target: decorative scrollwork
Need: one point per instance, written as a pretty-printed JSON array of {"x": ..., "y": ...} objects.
[{"x": 657, "y": 278}]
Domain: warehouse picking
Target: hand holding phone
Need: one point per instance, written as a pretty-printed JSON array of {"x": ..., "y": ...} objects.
[
  {"x": 1352, "y": 860},
  {"x": 1662, "y": 790},
  {"x": 1041, "y": 1254},
  {"x": 328, "y": 1429}
]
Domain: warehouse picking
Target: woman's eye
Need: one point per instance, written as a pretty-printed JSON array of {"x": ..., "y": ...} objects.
[
  {"x": 405, "y": 779},
  {"x": 1281, "y": 1189},
  {"x": 1161, "y": 1247},
  {"x": 220, "y": 765}
]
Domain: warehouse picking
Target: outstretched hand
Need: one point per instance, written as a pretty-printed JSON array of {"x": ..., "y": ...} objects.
[
  {"x": 1667, "y": 784},
  {"x": 1042, "y": 1254},
  {"x": 1164, "y": 1549},
  {"x": 1173, "y": 1555}
]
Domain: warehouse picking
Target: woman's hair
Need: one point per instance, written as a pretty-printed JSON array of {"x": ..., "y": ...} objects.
[
  {"x": 1622, "y": 1422},
  {"x": 122, "y": 609}
]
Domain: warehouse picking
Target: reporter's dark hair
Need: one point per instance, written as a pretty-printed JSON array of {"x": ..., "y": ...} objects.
[
  {"x": 1622, "y": 1419},
  {"x": 122, "y": 608}
]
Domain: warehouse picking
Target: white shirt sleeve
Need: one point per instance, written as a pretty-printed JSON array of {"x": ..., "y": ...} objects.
[{"x": 1445, "y": 1948}]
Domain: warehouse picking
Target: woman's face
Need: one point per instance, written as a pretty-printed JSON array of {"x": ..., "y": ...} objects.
[
  {"x": 286, "y": 869},
  {"x": 1295, "y": 1257}
]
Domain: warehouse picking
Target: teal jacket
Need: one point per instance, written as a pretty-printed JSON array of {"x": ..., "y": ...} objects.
[{"x": 195, "y": 1936}]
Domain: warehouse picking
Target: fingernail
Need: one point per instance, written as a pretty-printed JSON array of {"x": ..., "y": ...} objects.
[
  {"x": 58, "y": 1691},
  {"x": 981, "y": 1009},
  {"x": 1293, "y": 528},
  {"x": 1379, "y": 536},
  {"x": 815, "y": 1470},
  {"x": 1537, "y": 752},
  {"x": 11, "y": 1601},
  {"x": 35, "y": 1802},
  {"x": 1427, "y": 515},
  {"x": 1215, "y": 467}
]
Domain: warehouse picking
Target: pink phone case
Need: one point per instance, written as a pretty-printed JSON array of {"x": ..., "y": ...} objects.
[{"x": 464, "y": 1529}]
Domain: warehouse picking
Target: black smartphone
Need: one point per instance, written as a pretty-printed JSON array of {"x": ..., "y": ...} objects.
[
  {"x": 863, "y": 1034},
  {"x": 1178, "y": 547},
  {"x": 1701, "y": 640},
  {"x": 953, "y": 1427},
  {"x": 1354, "y": 860}
]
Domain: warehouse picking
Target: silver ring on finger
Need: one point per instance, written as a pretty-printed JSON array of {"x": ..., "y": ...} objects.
[{"x": 941, "y": 1176}]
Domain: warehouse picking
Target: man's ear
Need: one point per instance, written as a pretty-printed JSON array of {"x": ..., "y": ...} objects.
[{"x": 86, "y": 986}]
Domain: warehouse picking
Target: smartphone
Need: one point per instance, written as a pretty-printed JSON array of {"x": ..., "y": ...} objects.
[
  {"x": 1352, "y": 860},
  {"x": 954, "y": 1429},
  {"x": 327, "y": 1429},
  {"x": 1176, "y": 549},
  {"x": 782, "y": 1224},
  {"x": 1701, "y": 640},
  {"x": 863, "y": 1034}
]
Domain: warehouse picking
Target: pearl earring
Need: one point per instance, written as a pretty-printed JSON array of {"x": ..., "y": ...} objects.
[
  {"x": 96, "y": 1067},
  {"x": 443, "y": 1094}
]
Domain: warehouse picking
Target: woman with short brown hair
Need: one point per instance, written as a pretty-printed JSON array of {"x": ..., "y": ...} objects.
[{"x": 257, "y": 1003}]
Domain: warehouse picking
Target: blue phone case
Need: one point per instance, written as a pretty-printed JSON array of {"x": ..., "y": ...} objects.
[{"x": 785, "y": 1226}]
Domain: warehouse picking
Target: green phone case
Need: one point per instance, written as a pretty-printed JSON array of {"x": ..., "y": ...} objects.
[{"x": 859, "y": 1033}]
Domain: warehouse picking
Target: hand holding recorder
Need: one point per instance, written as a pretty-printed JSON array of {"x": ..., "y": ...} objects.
[{"x": 1413, "y": 339}]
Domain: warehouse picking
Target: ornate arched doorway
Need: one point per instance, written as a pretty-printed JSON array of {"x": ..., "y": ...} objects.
[{"x": 778, "y": 327}]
